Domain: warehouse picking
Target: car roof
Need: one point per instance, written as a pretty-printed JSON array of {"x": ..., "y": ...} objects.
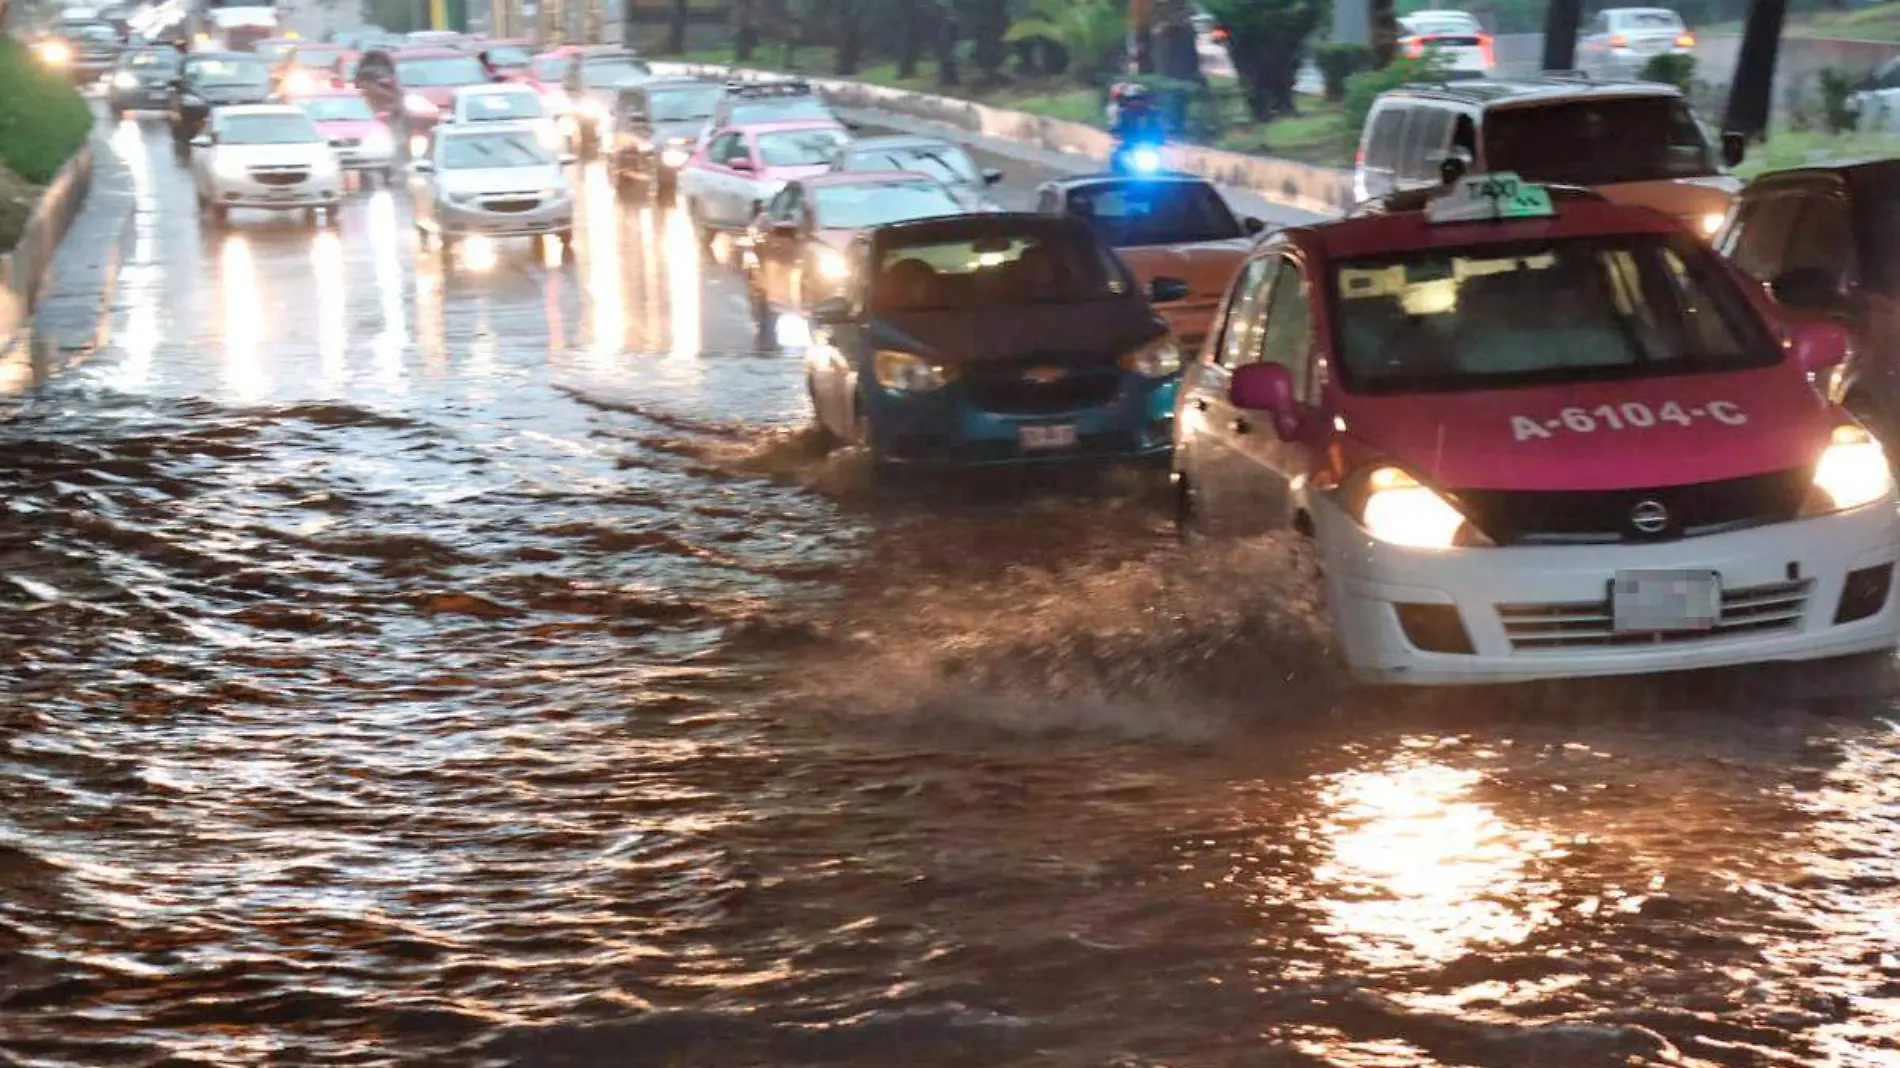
[
  {"x": 837, "y": 178},
  {"x": 952, "y": 227},
  {"x": 428, "y": 52},
  {"x": 495, "y": 89},
  {"x": 781, "y": 125},
  {"x": 671, "y": 83},
  {"x": 1642, "y": 11},
  {"x": 226, "y": 56},
  {"x": 1854, "y": 171},
  {"x": 1534, "y": 90},
  {"x": 1409, "y": 231},
  {"x": 483, "y": 129}
]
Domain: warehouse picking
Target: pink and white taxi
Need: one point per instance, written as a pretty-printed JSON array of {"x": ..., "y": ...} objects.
[
  {"x": 736, "y": 169},
  {"x": 1539, "y": 436}
]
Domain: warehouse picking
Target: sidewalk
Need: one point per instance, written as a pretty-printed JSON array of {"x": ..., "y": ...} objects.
[{"x": 77, "y": 298}]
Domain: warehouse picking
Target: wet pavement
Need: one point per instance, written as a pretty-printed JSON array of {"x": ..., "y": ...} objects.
[{"x": 487, "y": 668}]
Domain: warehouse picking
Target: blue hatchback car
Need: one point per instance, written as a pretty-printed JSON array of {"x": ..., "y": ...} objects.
[{"x": 994, "y": 339}]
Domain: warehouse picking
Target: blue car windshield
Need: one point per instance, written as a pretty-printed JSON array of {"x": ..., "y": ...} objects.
[{"x": 996, "y": 270}]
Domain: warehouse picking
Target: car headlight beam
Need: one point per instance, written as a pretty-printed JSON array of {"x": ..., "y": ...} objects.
[
  {"x": 1156, "y": 359},
  {"x": 1853, "y": 470},
  {"x": 907, "y": 372},
  {"x": 832, "y": 266},
  {"x": 1400, "y": 510}
]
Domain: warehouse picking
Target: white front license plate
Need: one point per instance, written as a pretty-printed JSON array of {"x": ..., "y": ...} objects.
[
  {"x": 279, "y": 195},
  {"x": 1046, "y": 437},
  {"x": 1657, "y": 602}
]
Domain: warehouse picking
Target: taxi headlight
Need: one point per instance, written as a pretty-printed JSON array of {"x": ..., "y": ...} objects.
[
  {"x": 554, "y": 192},
  {"x": 1156, "y": 359},
  {"x": 417, "y": 104},
  {"x": 1853, "y": 471},
  {"x": 908, "y": 372},
  {"x": 298, "y": 81},
  {"x": 125, "y": 79},
  {"x": 1712, "y": 222},
  {"x": 1401, "y": 511},
  {"x": 832, "y": 266},
  {"x": 379, "y": 143},
  {"x": 464, "y": 198},
  {"x": 228, "y": 169},
  {"x": 55, "y": 53},
  {"x": 675, "y": 157}
]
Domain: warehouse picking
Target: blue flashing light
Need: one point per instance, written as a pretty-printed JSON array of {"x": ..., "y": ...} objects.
[{"x": 1144, "y": 161}]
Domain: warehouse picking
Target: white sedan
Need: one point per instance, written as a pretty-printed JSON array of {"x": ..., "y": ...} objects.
[{"x": 269, "y": 157}]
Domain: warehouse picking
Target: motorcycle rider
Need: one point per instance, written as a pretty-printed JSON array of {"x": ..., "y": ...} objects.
[{"x": 1135, "y": 122}]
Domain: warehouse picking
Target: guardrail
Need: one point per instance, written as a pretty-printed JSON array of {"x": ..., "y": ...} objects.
[
  {"x": 1323, "y": 190},
  {"x": 24, "y": 269}
]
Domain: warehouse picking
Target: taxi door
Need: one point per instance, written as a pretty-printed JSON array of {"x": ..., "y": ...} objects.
[
  {"x": 1246, "y": 472},
  {"x": 781, "y": 239},
  {"x": 1204, "y": 454}
]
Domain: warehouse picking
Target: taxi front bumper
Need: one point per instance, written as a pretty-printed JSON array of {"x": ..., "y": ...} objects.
[
  {"x": 1809, "y": 589},
  {"x": 507, "y": 218},
  {"x": 316, "y": 191}
]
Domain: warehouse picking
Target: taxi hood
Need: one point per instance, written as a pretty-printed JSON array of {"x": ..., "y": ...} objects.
[
  {"x": 1096, "y": 330},
  {"x": 1623, "y": 434},
  {"x": 1684, "y": 198},
  {"x": 350, "y": 127}
]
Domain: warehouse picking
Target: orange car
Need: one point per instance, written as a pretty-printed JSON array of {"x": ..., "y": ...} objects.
[{"x": 1163, "y": 226}]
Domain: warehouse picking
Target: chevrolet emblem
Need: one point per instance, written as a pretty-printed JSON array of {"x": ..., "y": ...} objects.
[{"x": 1044, "y": 376}]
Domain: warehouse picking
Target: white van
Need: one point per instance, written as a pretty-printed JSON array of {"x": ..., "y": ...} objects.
[{"x": 1633, "y": 142}]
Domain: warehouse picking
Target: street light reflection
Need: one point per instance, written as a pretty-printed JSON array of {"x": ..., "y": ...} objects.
[
  {"x": 1420, "y": 871},
  {"x": 141, "y": 279},
  {"x": 243, "y": 320},
  {"x": 684, "y": 277},
  {"x": 607, "y": 318},
  {"x": 385, "y": 235},
  {"x": 478, "y": 254},
  {"x": 326, "y": 261}
]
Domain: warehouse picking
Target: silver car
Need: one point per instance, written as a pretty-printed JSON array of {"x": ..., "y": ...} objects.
[{"x": 492, "y": 180}]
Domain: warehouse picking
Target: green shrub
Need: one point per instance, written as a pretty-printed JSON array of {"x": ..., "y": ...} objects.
[
  {"x": 1363, "y": 88},
  {"x": 1670, "y": 68},
  {"x": 1836, "y": 87},
  {"x": 43, "y": 119},
  {"x": 1338, "y": 61}
]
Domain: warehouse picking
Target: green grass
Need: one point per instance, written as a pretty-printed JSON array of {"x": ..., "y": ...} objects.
[
  {"x": 1877, "y": 22},
  {"x": 43, "y": 121},
  {"x": 1795, "y": 148},
  {"x": 1317, "y": 135}
]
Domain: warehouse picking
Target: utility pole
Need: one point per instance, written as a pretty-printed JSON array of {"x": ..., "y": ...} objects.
[{"x": 1140, "y": 17}]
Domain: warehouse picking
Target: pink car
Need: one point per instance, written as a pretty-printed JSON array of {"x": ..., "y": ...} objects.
[
  {"x": 1533, "y": 434},
  {"x": 362, "y": 142},
  {"x": 736, "y": 169}
]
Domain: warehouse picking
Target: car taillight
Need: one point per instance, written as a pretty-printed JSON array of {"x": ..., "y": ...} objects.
[
  {"x": 1617, "y": 40},
  {"x": 1484, "y": 49},
  {"x": 1685, "y": 40},
  {"x": 1414, "y": 46}
]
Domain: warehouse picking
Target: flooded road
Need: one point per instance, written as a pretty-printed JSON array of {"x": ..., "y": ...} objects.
[{"x": 488, "y": 669}]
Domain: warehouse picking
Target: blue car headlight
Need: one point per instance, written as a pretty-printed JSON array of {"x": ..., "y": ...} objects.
[
  {"x": 907, "y": 372},
  {"x": 1156, "y": 359}
]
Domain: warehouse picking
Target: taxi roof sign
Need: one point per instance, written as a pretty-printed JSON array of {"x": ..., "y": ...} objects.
[{"x": 1491, "y": 198}]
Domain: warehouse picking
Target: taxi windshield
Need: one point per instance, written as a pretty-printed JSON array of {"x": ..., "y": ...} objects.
[
  {"x": 854, "y": 207},
  {"x": 799, "y": 148},
  {"x": 165, "y": 58},
  {"x": 272, "y": 129},
  {"x": 441, "y": 70},
  {"x": 1492, "y": 317},
  {"x": 1043, "y": 266},
  {"x": 552, "y": 69},
  {"x": 684, "y": 105},
  {"x": 509, "y": 57},
  {"x": 1598, "y": 142},
  {"x": 337, "y": 108},
  {"x": 1131, "y": 214}
]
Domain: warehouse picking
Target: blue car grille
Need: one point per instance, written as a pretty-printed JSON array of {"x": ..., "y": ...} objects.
[{"x": 1031, "y": 388}]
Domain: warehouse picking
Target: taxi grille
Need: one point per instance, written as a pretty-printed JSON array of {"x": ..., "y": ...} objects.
[
  {"x": 512, "y": 204},
  {"x": 1531, "y": 628},
  {"x": 1566, "y": 517},
  {"x": 345, "y": 142},
  {"x": 1031, "y": 387},
  {"x": 279, "y": 177}
]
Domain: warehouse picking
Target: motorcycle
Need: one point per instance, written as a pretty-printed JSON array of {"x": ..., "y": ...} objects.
[{"x": 1137, "y": 155}]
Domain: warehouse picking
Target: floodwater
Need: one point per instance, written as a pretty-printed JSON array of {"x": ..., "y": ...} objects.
[{"x": 488, "y": 669}]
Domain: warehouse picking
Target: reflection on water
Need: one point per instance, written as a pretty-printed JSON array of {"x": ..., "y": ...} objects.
[
  {"x": 244, "y": 373},
  {"x": 1420, "y": 872},
  {"x": 333, "y": 330},
  {"x": 387, "y": 246}
]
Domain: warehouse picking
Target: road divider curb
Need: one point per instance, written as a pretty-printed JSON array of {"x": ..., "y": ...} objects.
[
  {"x": 25, "y": 269},
  {"x": 1321, "y": 190}
]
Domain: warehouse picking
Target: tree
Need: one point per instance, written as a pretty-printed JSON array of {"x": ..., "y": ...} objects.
[
  {"x": 676, "y": 27},
  {"x": 1173, "y": 42},
  {"x": 988, "y": 21},
  {"x": 1267, "y": 42},
  {"x": 745, "y": 29},
  {"x": 910, "y": 36},
  {"x": 947, "y": 76},
  {"x": 1089, "y": 33},
  {"x": 851, "y": 17}
]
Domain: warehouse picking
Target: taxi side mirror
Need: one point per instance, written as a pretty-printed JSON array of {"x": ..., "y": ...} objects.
[
  {"x": 831, "y": 311},
  {"x": 1267, "y": 387},
  {"x": 991, "y": 176},
  {"x": 1253, "y": 225},
  {"x": 739, "y": 163},
  {"x": 422, "y": 166},
  {"x": 1165, "y": 290},
  {"x": 1734, "y": 147},
  {"x": 203, "y": 140},
  {"x": 1817, "y": 346}
]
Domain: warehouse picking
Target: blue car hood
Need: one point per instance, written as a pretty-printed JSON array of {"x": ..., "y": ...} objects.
[{"x": 1097, "y": 330}]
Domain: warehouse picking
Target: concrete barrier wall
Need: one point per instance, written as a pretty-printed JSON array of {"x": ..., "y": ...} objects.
[
  {"x": 1324, "y": 190},
  {"x": 23, "y": 270}
]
